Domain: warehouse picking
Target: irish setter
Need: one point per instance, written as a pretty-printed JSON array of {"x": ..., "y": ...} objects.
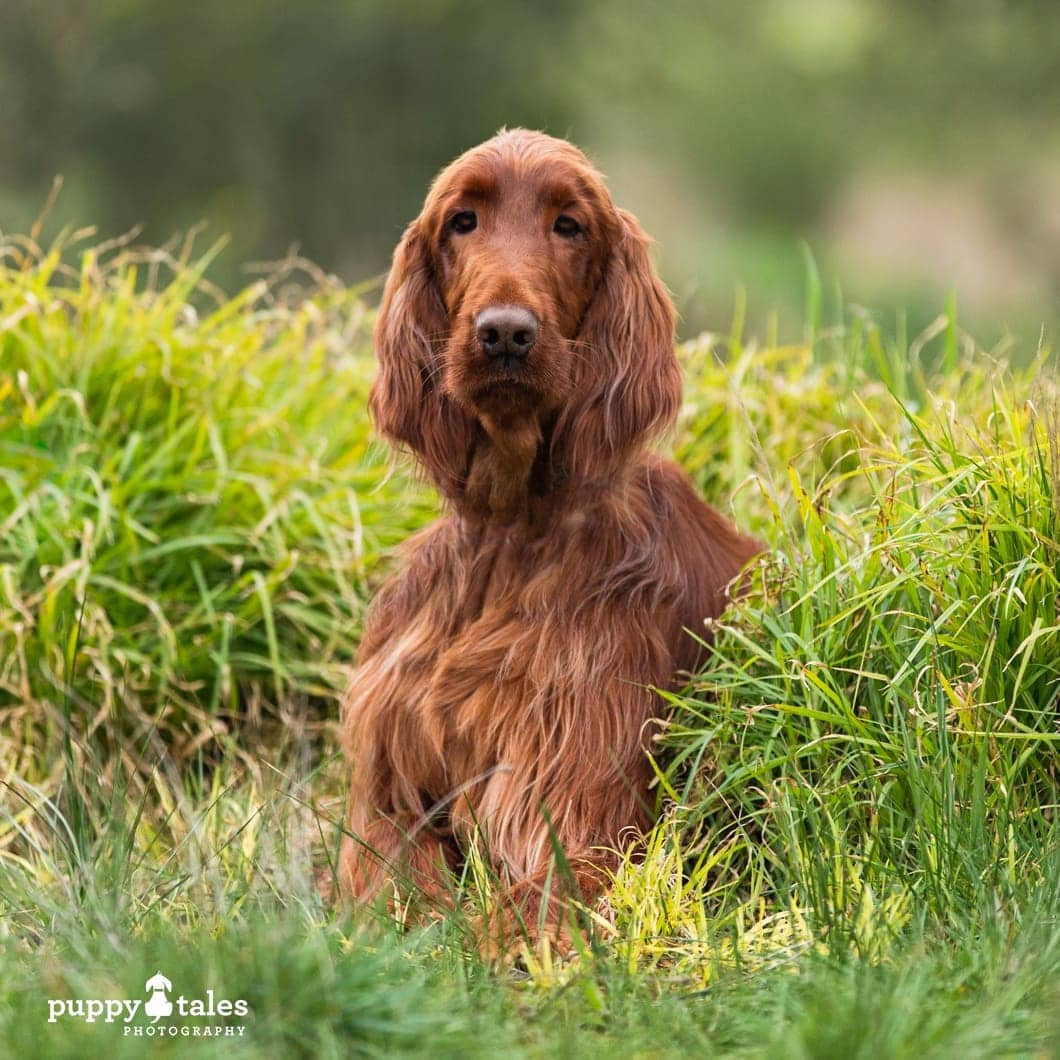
[{"x": 505, "y": 679}]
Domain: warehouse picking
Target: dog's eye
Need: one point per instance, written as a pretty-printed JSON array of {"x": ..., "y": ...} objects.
[
  {"x": 566, "y": 226},
  {"x": 464, "y": 222}
]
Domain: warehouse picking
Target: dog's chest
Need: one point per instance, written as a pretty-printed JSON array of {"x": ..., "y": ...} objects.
[
  {"x": 463, "y": 588},
  {"x": 498, "y": 573}
]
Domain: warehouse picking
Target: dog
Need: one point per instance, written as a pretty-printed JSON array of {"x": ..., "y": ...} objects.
[{"x": 505, "y": 682}]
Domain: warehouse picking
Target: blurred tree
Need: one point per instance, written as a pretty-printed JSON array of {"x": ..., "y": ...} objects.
[
  {"x": 318, "y": 122},
  {"x": 733, "y": 128}
]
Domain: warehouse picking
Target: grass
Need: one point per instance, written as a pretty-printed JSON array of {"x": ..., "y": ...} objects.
[{"x": 857, "y": 849}]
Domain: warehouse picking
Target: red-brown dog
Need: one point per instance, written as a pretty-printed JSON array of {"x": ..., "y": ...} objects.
[{"x": 504, "y": 680}]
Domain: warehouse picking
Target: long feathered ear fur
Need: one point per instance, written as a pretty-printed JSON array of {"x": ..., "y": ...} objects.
[
  {"x": 408, "y": 401},
  {"x": 627, "y": 384}
]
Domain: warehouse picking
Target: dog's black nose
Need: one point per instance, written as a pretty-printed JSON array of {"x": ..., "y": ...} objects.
[{"x": 506, "y": 331}]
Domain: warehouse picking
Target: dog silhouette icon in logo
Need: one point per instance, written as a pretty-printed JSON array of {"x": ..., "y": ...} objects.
[{"x": 158, "y": 1005}]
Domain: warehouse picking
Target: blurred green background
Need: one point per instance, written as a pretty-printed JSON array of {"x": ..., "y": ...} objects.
[{"x": 914, "y": 145}]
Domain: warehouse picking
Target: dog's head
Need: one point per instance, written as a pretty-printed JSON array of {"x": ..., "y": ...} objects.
[{"x": 522, "y": 295}]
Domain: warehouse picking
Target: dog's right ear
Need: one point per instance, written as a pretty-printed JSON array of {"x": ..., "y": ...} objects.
[{"x": 408, "y": 401}]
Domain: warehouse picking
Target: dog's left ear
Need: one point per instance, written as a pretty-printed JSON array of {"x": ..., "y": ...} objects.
[{"x": 626, "y": 385}]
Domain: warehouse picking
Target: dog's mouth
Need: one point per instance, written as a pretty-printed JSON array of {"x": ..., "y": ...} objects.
[
  {"x": 505, "y": 392},
  {"x": 508, "y": 384}
]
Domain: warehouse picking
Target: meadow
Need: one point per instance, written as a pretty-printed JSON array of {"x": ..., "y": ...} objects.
[{"x": 856, "y": 853}]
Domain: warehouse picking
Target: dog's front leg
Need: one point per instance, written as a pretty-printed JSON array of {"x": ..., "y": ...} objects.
[{"x": 397, "y": 857}]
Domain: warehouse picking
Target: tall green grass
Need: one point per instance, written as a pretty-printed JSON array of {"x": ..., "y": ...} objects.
[
  {"x": 187, "y": 484},
  {"x": 878, "y": 733},
  {"x": 857, "y": 850}
]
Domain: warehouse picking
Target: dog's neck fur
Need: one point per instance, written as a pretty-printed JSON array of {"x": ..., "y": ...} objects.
[
  {"x": 498, "y": 481},
  {"x": 513, "y": 474}
]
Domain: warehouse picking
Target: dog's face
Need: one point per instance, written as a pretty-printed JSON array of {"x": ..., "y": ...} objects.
[
  {"x": 523, "y": 300},
  {"x": 520, "y": 241}
]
